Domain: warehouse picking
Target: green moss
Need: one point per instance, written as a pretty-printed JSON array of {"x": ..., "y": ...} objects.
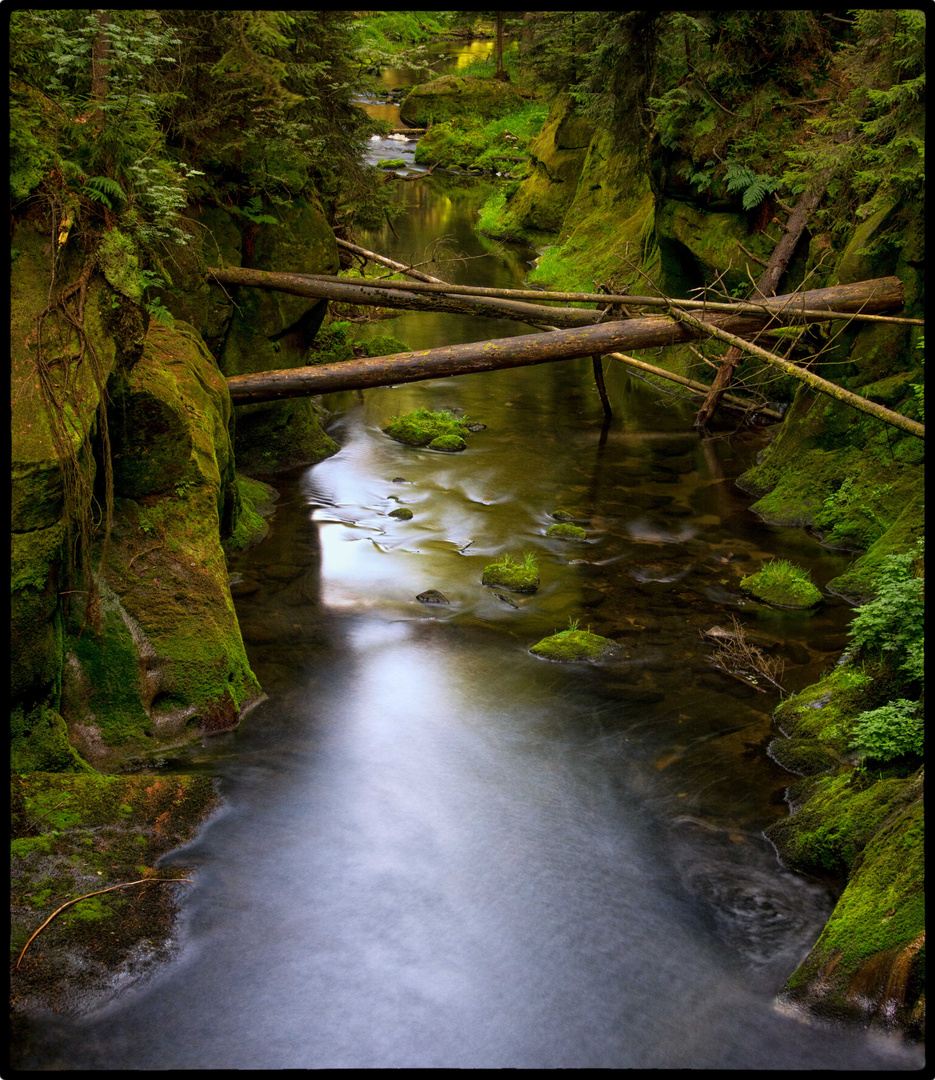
[
  {"x": 383, "y": 345},
  {"x": 254, "y": 502},
  {"x": 841, "y": 815},
  {"x": 514, "y": 575},
  {"x": 869, "y": 958},
  {"x": 119, "y": 263},
  {"x": 394, "y": 163},
  {"x": 782, "y": 584},
  {"x": 450, "y": 443},
  {"x": 571, "y": 645},
  {"x": 401, "y": 513},
  {"x": 566, "y": 531},
  {"x": 825, "y": 710},
  {"x": 39, "y": 742},
  {"x": 423, "y": 427},
  {"x": 451, "y": 97},
  {"x": 78, "y": 834},
  {"x": 805, "y": 757}
]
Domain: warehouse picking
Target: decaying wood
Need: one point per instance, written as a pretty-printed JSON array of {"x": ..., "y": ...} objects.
[
  {"x": 391, "y": 264},
  {"x": 895, "y": 419},
  {"x": 880, "y": 294},
  {"x": 429, "y": 285},
  {"x": 599, "y": 381},
  {"x": 345, "y": 291},
  {"x": 766, "y": 286},
  {"x": 729, "y": 401}
]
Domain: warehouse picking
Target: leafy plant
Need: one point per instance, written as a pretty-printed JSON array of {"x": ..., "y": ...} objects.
[
  {"x": 890, "y": 628},
  {"x": 755, "y": 186},
  {"x": 891, "y": 731}
]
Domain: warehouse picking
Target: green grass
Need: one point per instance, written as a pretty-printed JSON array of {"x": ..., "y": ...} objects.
[{"x": 782, "y": 584}]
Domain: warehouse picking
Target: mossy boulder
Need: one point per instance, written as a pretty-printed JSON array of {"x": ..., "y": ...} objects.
[
  {"x": 781, "y": 584},
  {"x": 556, "y": 159},
  {"x": 565, "y": 530},
  {"x": 269, "y": 330},
  {"x": 697, "y": 246},
  {"x": 454, "y": 96},
  {"x": 166, "y": 663},
  {"x": 254, "y": 502},
  {"x": 452, "y": 144},
  {"x": 868, "y": 962},
  {"x": 436, "y": 430},
  {"x": 570, "y": 645},
  {"x": 401, "y": 513},
  {"x": 804, "y": 757},
  {"x": 514, "y": 575}
]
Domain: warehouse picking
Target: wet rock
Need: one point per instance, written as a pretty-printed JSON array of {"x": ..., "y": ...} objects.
[
  {"x": 399, "y": 480},
  {"x": 566, "y": 531},
  {"x": 401, "y": 513},
  {"x": 432, "y": 596},
  {"x": 569, "y": 645}
]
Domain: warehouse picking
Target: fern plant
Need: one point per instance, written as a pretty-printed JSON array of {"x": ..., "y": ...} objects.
[{"x": 755, "y": 186}]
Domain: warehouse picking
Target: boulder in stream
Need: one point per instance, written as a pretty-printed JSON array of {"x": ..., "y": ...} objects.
[{"x": 574, "y": 644}]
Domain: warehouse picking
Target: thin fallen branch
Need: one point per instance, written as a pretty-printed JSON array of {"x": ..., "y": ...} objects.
[
  {"x": 427, "y": 284},
  {"x": 99, "y": 892},
  {"x": 895, "y": 419}
]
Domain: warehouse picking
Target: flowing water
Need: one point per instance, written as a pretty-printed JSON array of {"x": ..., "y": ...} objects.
[{"x": 436, "y": 850}]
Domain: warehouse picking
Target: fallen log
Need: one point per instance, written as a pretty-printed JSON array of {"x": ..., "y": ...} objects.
[
  {"x": 425, "y": 283},
  {"x": 347, "y": 292},
  {"x": 880, "y": 294},
  {"x": 894, "y": 419}
]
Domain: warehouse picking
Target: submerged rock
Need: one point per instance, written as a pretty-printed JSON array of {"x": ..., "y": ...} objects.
[
  {"x": 574, "y": 645},
  {"x": 432, "y": 596}
]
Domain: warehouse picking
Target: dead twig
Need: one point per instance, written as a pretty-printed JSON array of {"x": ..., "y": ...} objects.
[{"x": 99, "y": 892}]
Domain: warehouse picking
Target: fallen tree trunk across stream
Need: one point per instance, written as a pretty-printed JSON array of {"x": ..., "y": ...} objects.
[{"x": 879, "y": 294}]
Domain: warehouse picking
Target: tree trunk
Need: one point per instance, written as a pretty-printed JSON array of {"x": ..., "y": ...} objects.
[
  {"x": 766, "y": 286},
  {"x": 100, "y": 67},
  {"x": 881, "y": 294}
]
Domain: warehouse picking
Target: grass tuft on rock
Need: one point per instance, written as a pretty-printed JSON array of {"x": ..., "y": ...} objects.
[
  {"x": 514, "y": 575},
  {"x": 574, "y": 644},
  {"x": 781, "y": 583}
]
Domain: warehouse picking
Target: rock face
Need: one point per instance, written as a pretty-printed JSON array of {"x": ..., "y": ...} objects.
[
  {"x": 158, "y": 660},
  {"x": 169, "y": 663},
  {"x": 251, "y": 330},
  {"x": 452, "y": 96}
]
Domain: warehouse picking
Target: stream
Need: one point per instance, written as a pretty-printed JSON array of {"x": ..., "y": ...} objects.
[{"x": 436, "y": 850}]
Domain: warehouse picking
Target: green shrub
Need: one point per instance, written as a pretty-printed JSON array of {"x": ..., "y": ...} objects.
[
  {"x": 890, "y": 627},
  {"x": 891, "y": 731}
]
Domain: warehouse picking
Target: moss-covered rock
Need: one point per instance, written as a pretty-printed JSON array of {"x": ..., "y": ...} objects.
[
  {"x": 564, "y": 530},
  {"x": 422, "y": 427},
  {"x": 254, "y": 503},
  {"x": 781, "y": 584},
  {"x": 805, "y": 757},
  {"x": 514, "y": 575},
  {"x": 454, "y": 96},
  {"x": 166, "y": 663},
  {"x": 869, "y": 960},
  {"x": 401, "y": 513},
  {"x": 79, "y": 833},
  {"x": 574, "y": 644}
]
